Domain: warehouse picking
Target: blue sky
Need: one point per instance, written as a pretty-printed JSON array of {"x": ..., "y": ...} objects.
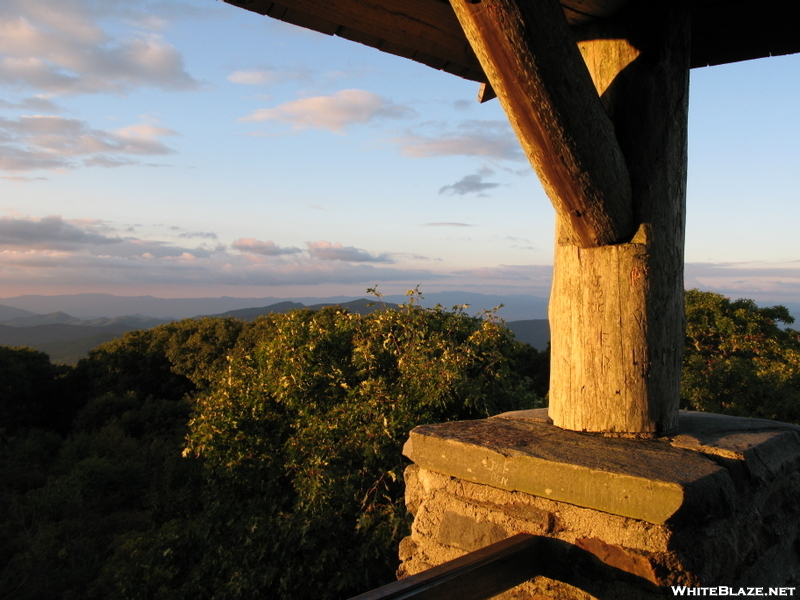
[{"x": 191, "y": 148}]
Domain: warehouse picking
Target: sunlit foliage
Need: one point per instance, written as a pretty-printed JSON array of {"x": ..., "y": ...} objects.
[
  {"x": 738, "y": 360},
  {"x": 291, "y": 486}
]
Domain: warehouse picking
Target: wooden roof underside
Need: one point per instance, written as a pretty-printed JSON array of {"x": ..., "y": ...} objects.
[{"x": 426, "y": 31}]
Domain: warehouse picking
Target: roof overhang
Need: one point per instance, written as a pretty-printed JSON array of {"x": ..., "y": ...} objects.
[{"x": 427, "y": 31}]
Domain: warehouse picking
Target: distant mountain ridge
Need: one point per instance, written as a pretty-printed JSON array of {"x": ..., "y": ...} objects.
[
  {"x": 535, "y": 332},
  {"x": 132, "y": 321},
  {"x": 67, "y": 338},
  {"x": 67, "y": 335},
  {"x": 92, "y": 306},
  {"x": 9, "y": 312},
  {"x": 360, "y": 306}
]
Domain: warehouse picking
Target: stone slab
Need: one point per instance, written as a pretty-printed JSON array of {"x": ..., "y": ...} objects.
[
  {"x": 646, "y": 480},
  {"x": 690, "y": 475},
  {"x": 765, "y": 448}
]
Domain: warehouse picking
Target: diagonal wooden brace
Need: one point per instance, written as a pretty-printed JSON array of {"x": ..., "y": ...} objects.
[{"x": 531, "y": 60}]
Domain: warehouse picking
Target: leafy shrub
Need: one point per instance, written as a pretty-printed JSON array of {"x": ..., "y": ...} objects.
[
  {"x": 738, "y": 361},
  {"x": 28, "y": 391},
  {"x": 301, "y": 440}
]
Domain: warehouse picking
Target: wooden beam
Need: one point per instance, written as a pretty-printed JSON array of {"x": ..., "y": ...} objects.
[
  {"x": 616, "y": 313},
  {"x": 428, "y": 32},
  {"x": 486, "y": 93},
  {"x": 735, "y": 30},
  {"x": 478, "y": 575},
  {"x": 534, "y": 66},
  {"x": 426, "y": 28}
]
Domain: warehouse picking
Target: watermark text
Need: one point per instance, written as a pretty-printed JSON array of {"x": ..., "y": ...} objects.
[{"x": 724, "y": 590}]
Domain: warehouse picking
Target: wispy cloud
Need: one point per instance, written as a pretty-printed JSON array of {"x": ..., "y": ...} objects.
[
  {"x": 533, "y": 273},
  {"x": 73, "y": 237},
  {"x": 206, "y": 235},
  {"x": 53, "y": 232},
  {"x": 54, "y": 250},
  {"x": 327, "y": 251},
  {"x": 268, "y": 248},
  {"x": 268, "y": 76},
  {"x": 747, "y": 280},
  {"x": 469, "y": 184},
  {"x": 60, "y": 48},
  {"x": 448, "y": 225},
  {"x": 485, "y": 139},
  {"x": 334, "y": 113},
  {"x": 53, "y": 142},
  {"x": 40, "y": 105}
]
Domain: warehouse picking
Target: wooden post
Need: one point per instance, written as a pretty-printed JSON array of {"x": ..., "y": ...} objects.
[
  {"x": 536, "y": 70},
  {"x": 616, "y": 313},
  {"x": 616, "y": 309}
]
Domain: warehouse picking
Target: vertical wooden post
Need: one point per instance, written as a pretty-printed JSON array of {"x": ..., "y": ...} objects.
[
  {"x": 609, "y": 145},
  {"x": 616, "y": 312}
]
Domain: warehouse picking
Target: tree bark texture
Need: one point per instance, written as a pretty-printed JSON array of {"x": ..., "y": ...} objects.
[
  {"x": 601, "y": 112},
  {"x": 616, "y": 312},
  {"x": 533, "y": 64}
]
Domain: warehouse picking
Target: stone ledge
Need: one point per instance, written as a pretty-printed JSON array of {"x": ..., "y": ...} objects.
[{"x": 657, "y": 481}]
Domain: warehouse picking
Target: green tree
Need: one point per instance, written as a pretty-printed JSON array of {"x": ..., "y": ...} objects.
[
  {"x": 738, "y": 360},
  {"x": 29, "y": 394},
  {"x": 65, "y": 503},
  {"x": 301, "y": 440}
]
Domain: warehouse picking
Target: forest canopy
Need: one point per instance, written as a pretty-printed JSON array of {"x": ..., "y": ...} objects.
[
  {"x": 738, "y": 360},
  {"x": 214, "y": 458},
  {"x": 217, "y": 459}
]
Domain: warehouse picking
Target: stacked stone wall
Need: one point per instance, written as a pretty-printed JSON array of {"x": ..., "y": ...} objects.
[{"x": 747, "y": 536}]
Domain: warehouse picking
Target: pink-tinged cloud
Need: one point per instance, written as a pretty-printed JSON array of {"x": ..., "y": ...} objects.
[
  {"x": 52, "y": 142},
  {"x": 53, "y": 232},
  {"x": 333, "y": 113},
  {"x": 487, "y": 139},
  {"x": 268, "y": 248},
  {"x": 187, "y": 269},
  {"x": 58, "y": 48},
  {"x": 531, "y": 273},
  {"x": 266, "y": 76},
  {"x": 757, "y": 281},
  {"x": 86, "y": 237},
  {"x": 327, "y": 251}
]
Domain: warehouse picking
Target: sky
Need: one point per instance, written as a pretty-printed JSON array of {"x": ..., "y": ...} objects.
[{"x": 189, "y": 148}]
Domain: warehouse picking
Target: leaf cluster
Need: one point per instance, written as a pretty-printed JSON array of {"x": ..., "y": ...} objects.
[
  {"x": 738, "y": 360},
  {"x": 323, "y": 401},
  {"x": 291, "y": 484}
]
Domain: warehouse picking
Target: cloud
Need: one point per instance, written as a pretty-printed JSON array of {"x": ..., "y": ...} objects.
[
  {"x": 60, "y": 48},
  {"x": 56, "y": 251},
  {"x": 187, "y": 269},
  {"x": 51, "y": 142},
  {"x": 334, "y": 113},
  {"x": 52, "y": 232},
  {"x": 108, "y": 162},
  {"x": 773, "y": 282},
  {"x": 268, "y": 248},
  {"x": 84, "y": 236},
  {"x": 487, "y": 139},
  {"x": 20, "y": 178},
  {"x": 41, "y": 105},
  {"x": 208, "y": 235},
  {"x": 327, "y": 251},
  {"x": 266, "y": 76},
  {"x": 448, "y": 225},
  {"x": 538, "y": 274},
  {"x": 469, "y": 184}
]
